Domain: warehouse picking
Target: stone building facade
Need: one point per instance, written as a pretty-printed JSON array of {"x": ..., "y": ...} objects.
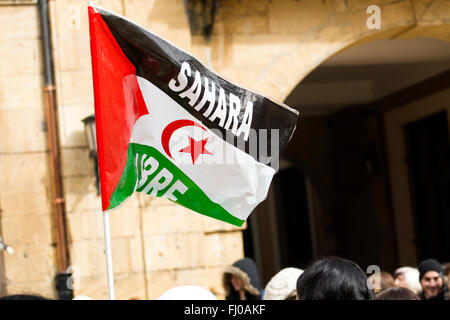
[{"x": 267, "y": 46}]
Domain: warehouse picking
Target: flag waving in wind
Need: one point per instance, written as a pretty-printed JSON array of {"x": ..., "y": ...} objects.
[{"x": 169, "y": 127}]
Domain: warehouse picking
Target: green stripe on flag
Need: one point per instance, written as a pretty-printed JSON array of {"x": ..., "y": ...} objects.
[{"x": 193, "y": 198}]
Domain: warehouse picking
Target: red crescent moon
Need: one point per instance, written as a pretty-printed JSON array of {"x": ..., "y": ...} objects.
[{"x": 171, "y": 128}]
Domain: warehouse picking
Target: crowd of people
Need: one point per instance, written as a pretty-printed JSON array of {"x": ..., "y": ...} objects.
[{"x": 330, "y": 278}]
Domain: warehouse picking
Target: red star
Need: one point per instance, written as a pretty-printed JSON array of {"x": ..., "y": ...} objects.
[{"x": 196, "y": 148}]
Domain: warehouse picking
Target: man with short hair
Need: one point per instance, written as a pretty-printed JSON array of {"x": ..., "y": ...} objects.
[{"x": 431, "y": 278}]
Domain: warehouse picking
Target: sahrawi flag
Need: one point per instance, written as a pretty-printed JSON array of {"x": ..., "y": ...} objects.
[{"x": 169, "y": 127}]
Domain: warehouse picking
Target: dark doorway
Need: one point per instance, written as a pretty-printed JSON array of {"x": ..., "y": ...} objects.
[
  {"x": 293, "y": 223},
  {"x": 428, "y": 156}
]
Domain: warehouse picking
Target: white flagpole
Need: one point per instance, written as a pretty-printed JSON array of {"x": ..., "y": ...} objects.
[{"x": 109, "y": 270}]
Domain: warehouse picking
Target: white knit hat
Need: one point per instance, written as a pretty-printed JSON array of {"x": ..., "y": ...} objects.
[
  {"x": 187, "y": 293},
  {"x": 282, "y": 285}
]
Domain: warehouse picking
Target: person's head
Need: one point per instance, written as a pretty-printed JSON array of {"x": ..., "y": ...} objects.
[
  {"x": 82, "y": 297},
  {"x": 237, "y": 283},
  {"x": 407, "y": 277},
  {"x": 399, "y": 293},
  {"x": 381, "y": 281},
  {"x": 241, "y": 277},
  {"x": 334, "y": 278},
  {"x": 282, "y": 286},
  {"x": 431, "y": 278}
]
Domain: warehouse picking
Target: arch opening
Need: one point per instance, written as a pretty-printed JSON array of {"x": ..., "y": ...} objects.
[{"x": 342, "y": 143}]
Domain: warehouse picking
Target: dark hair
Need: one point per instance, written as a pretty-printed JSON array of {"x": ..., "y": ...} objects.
[
  {"x": 396, "y": 294},
  {"x": 334, "y": 278}
]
